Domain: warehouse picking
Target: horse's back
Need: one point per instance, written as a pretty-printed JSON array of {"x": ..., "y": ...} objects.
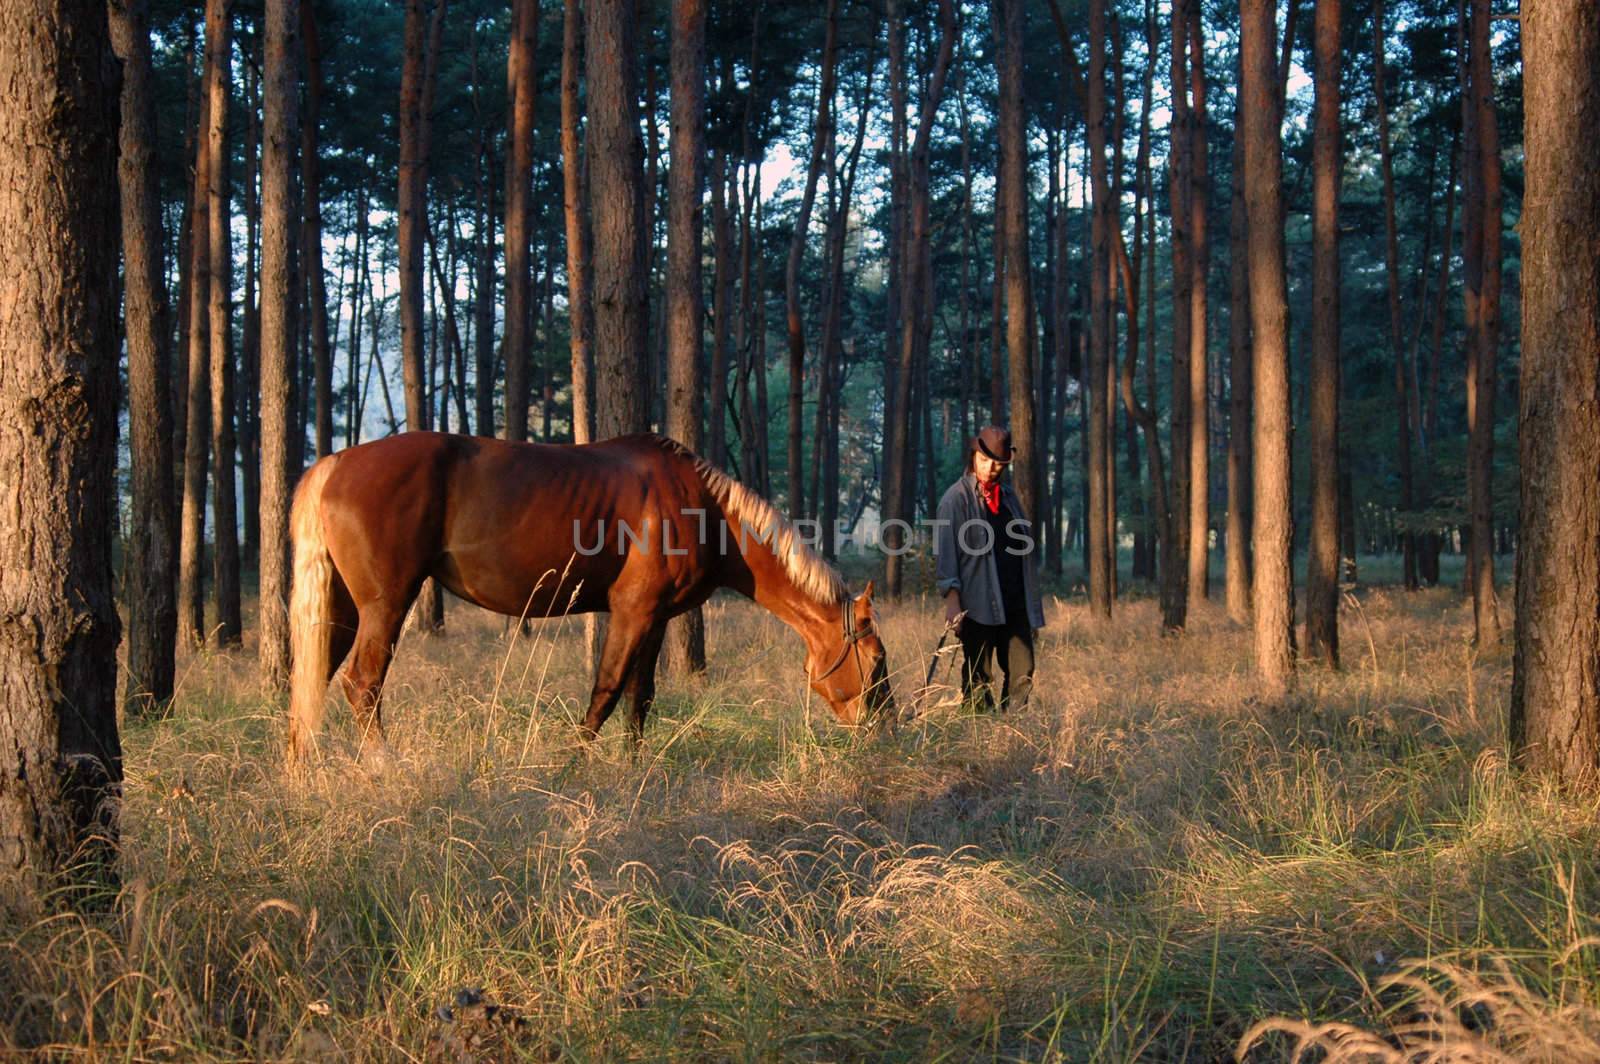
[{"x": 491, "y": 518}]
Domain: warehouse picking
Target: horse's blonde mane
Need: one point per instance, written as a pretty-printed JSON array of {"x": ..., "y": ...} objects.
[{"x": 809, "y": 571}]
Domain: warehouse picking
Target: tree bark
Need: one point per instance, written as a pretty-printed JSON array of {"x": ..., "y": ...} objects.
[
  {"x": 580, "y": 292},
  {"x": 1408, "y": 541},
  {"x": 1018, "y": 275},
  {"x": 1199, "y": 421},
  {"x": 248, "y": 390},
  {"x": 192, "y": 123},
  {"x": 358, "y": 287},
  {"x": 1100, "y": 318},
  {"x": 316, "y": 280},
  {"x": 616, "y": 201},
  {"x": 655, "y": 324},
  {"x": 1484, "y": 339},
  {"x": 1139, "y": 414},
  {"x": 224, "y": 498},
  {"x": 412, "y": 204},
  {"x": 721, "y": 310},
  {"x": 1240, "y": 398},
  {"x": 453, "y": 348},
  {"x": 149, "y": 570},
  {"x": 686, "y": 635},
  {"x": 427, "y": 613},
  {"x": 1175, "y": 549},
  {"x": 1273, "y": 531},
  {"x": 277, "y": 334},
  {"x": 1322, "y": 566},
  {"x": 793, "y": 321},
  {"x": 758, "y": 357},
  {"x": 914, "y": 296},
  {"x": 826, "y": 436},
  {"x": 197, "y": 392},
  {"x": 1433, "y": 540},
  {"x": 60, "y": 757},
  {"x": 521, "y": 90},
  {"x": 1555, "y": 694},
  {"x": 894, "y": 282}
]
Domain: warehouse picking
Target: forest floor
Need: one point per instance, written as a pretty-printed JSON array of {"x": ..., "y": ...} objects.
[{"x": 1142, "y": 864}]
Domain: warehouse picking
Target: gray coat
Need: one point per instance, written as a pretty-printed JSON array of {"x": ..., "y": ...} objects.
[{"x": 973, "y": 572}]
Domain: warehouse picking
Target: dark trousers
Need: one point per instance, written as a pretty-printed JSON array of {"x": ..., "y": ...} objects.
[{"x": 981, "y": 645}]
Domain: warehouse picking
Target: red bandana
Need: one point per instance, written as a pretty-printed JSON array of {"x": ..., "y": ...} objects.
[{"x": 990, "y": 494}]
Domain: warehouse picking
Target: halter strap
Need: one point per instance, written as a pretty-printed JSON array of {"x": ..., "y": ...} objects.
[{"x": 852, "y": 636}]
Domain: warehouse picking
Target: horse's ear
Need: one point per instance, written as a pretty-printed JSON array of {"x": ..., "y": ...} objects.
[{"x": 866, "y": 592}]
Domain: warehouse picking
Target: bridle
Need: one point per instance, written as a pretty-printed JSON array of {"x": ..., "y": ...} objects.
[{"x": 852, "y": 644}]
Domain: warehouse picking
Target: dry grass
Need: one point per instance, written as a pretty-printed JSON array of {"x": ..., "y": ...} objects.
[{"x": 1144, "y": 864}]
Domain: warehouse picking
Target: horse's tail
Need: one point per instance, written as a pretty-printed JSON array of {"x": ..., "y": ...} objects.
[{"x": 310, "y": 612}]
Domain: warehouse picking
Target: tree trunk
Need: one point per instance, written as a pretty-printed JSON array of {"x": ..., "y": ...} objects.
[
  {"x": 914, "y": 296},
  {"x": 1199, "y": 422},
  {"x": 148, "y": 569},
  {"x": 412, "y": 198},
  {"x": 793, "y": 321},
  {"x": 1019, "y": 295},
  {"x": 894, "y": 282},
  {"x": 1153, "y": 490},
  {"x": 827, "y": 423},
  {"x": 655, "y": 324},
  {"x": 721, "y": 310},
  {"x": 997, "y": 303},
  {"x": 580, "y": 304},
  {"x": 224, "y": 500},
  {"x": 1392, "y": 269},
  {"x": 760, "y": 441},
  {"x": 1273, "y": 539},
  {"x": 192, "y": 120},
  {"x": 60, "y": 758},
  {"x": 1053, "y": 348},
  {"x": 316, "y": 281},
  {"x": 1240, "y": 399},
  {"x": 197, "y": 393},
  {"x": 1175, "y": 555},
  {"x": 616, "y": 201},
  {"x": 430, "y": 601},
  {"x": 412, "y": 205},
  {"x": 521, "y": 90},
  {"x": 1484, "y": 339},
  {"x": 353, "y": 344},
  {"x": 686, "y": 635},
  {"x": 831, "y": 226},
  {"x": 1322, "y": 566},
  {"x": 1555, "y": 694},
  {"x": 1100, "y": 318},
  {"x": 1433, "y": 540},
  {"x": 248, "y": 391},
  {"x": 452, "y": 352},
  {"x": 277, "y": 334}
]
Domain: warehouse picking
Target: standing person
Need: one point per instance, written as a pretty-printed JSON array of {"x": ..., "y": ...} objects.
[{"x": 987, "y": 567}]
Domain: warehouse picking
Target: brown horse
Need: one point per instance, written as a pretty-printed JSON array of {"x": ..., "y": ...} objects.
[{"x": 637, "y": 526}]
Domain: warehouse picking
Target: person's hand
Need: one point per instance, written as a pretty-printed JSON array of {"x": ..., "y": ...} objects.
[{"x": 952, "y": 608}]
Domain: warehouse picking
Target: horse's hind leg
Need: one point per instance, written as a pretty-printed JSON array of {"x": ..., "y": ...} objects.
[
  {"x": 626, "y": 635},
  {"x": 342, "y": 625},
  {"x": 641, "y": 691},
  {"x": 375, "y": 638}
]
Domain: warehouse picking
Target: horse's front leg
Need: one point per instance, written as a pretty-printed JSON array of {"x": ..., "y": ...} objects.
[
  {"x": 641, "y": 688},
  {"x": 626, "y": 636}
]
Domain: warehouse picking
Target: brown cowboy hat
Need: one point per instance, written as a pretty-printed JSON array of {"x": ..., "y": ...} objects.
[{"x": 995, "y": 442}]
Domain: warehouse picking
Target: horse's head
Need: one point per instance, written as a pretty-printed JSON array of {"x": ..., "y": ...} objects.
[{"x": 849, "y": 667}]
